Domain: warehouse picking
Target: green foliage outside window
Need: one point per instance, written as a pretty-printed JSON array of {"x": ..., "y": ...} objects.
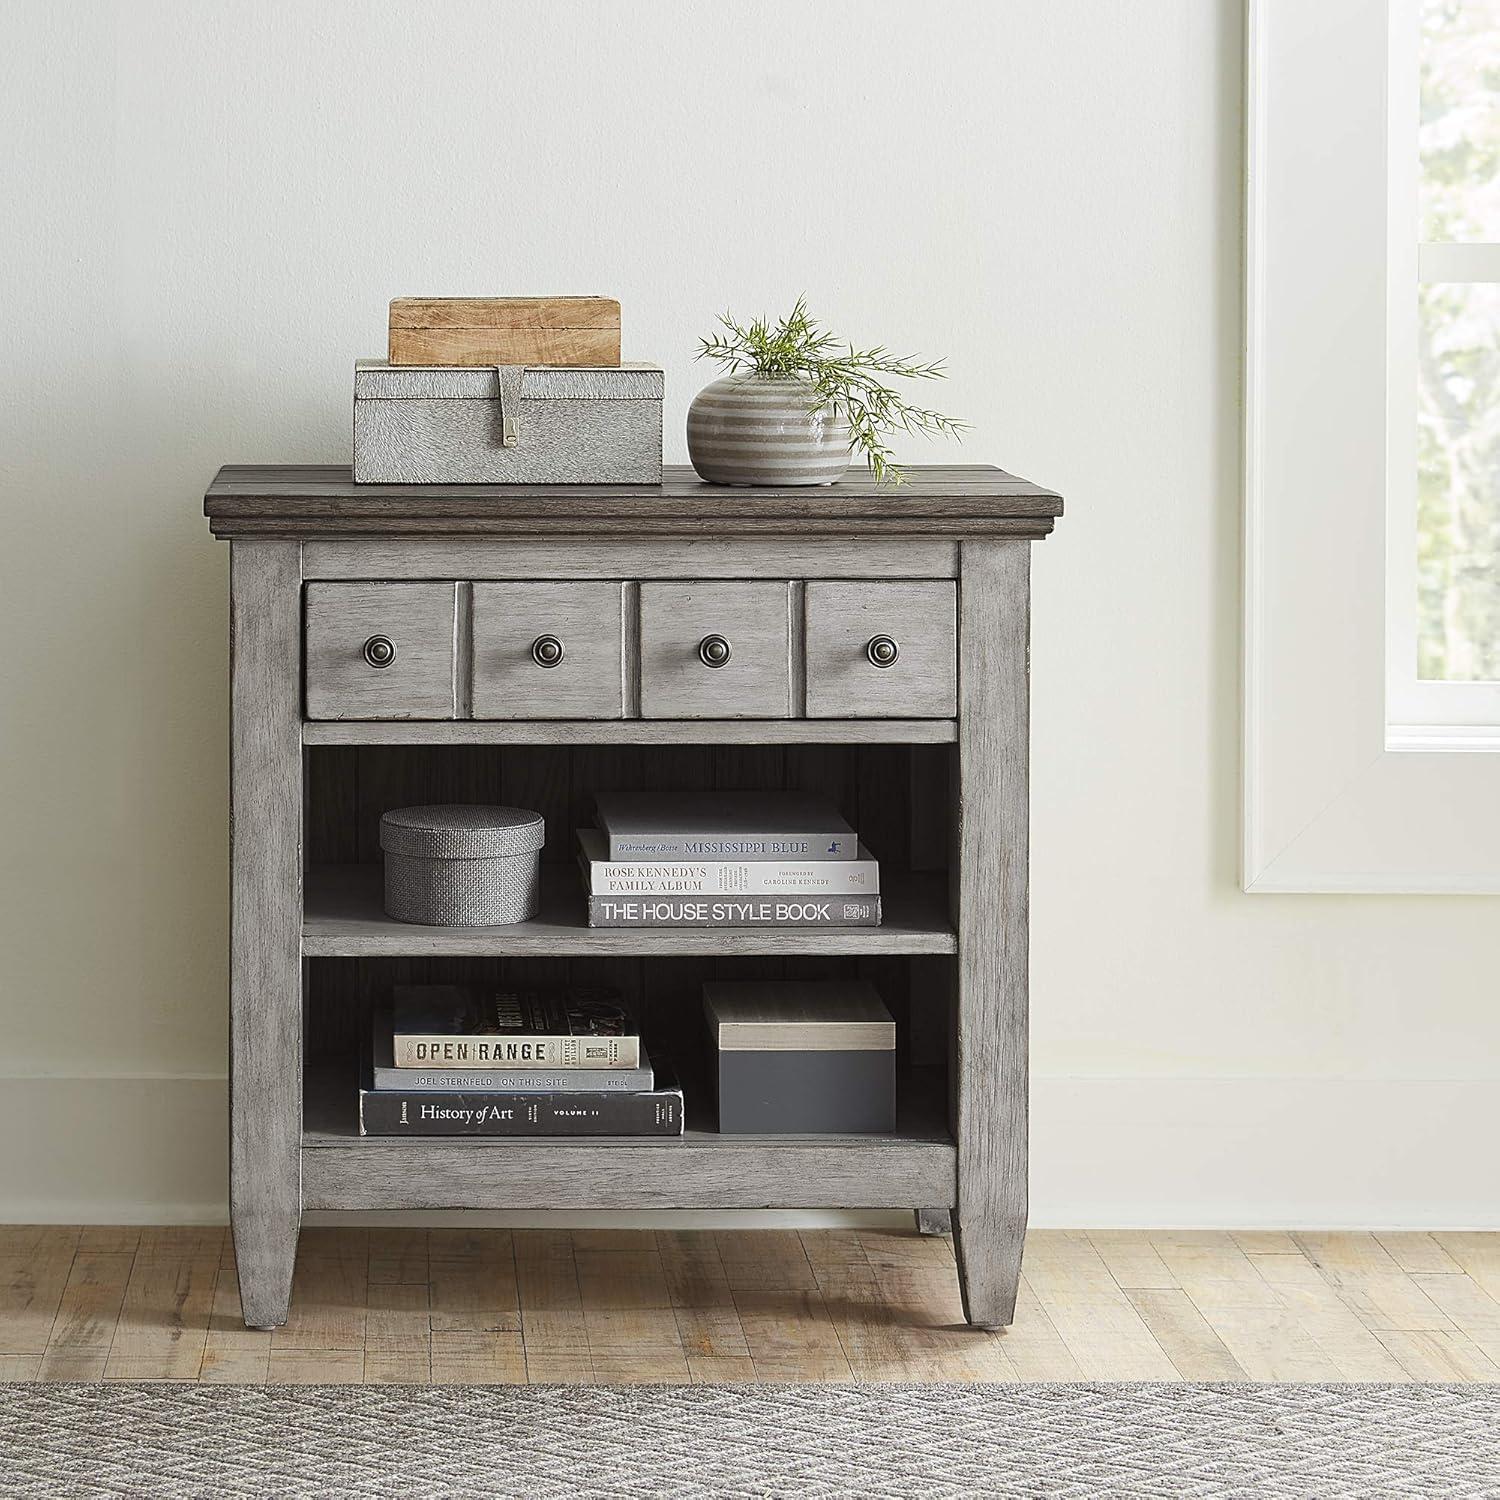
[{"x": 1458, "y": 349}]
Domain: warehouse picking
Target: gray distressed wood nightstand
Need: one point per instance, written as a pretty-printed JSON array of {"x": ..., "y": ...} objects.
[{"x": 395, "y": 644}]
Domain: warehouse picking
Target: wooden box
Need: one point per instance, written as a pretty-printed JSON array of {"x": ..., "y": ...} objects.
[
  {"x": 512, "y": 425},
  {"x": 801, "y": 1057},
  {"x": 504, "y": 331}
]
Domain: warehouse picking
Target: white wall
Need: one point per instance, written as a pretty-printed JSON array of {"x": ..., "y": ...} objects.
[{"x": 207, "y": 210}]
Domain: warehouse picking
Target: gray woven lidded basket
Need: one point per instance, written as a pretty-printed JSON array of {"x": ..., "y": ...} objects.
[{"x": 462, "y": 866}]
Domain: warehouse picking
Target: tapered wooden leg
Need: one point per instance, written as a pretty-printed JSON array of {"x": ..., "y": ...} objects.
[
  {"x": 265, "y": 1250},
  {"x": 934, "y": 1221},
  {"x": 989, "y": 1270},
  {"x": 988, "y": 1075},
  {"x": 265, "y": 964}
]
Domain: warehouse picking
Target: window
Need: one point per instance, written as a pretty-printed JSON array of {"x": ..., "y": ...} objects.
[
  {"x": 1443, "y": 628},
  {"x": 1372, "y": 447}
]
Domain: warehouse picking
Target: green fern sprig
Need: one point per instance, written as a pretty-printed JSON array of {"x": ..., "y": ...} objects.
[{"x": 851, "y": 380}]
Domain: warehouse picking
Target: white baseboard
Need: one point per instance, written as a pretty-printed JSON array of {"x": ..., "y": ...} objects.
[
  {"x": 1240, "y": 1153},
  {"x": 1265, "y": 1153},
  {"x": 114, "y": 1151}
]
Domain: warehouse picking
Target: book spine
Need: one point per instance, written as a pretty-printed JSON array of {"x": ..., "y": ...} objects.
[
  {"x": 399, "y": 1112},
  {"x": 416, "y": 1050},
  {"x": 756, "y": 848},
  {"x": 516, "y": 1080},
  {"x": 723, "y": 911},
  {"x": 833, "y": 877}
]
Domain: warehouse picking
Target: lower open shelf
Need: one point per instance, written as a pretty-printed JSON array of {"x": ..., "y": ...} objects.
[{"x": 914, "y": 1167}]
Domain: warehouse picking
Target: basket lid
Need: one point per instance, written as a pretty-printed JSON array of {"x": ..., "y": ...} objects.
[
  {"x": 376, "y": 380},
  {"x": 462, "y": 831}
]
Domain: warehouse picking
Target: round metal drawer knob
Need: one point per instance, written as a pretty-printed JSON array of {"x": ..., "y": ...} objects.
[
  {"x": 713, "y": 651},
  {"x": 547, "y": 651},
  {"x": 882, "y": 650},
  {"x": 380, "y": 651}
]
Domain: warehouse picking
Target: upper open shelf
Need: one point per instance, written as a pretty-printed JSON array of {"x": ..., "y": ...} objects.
[{"x": 343, "y": 917}]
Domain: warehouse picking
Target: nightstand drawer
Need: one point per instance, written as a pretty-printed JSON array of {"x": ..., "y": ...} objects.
[
  {"x": 882, "y": 650},
  {"x": 548, "y": 650},
  {"x": 715, "y": 651},
  {"x": 380, "y": 650}
]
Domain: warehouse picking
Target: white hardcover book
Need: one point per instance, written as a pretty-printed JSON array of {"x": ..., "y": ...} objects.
[
  {"x": 455, "y": 1027},
  {"x": 722, "y": 877}
]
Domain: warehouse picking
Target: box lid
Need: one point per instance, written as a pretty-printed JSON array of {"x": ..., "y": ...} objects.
[
  {"x": 818, "y": 1015},
  {"x": 504, "y": 312},
  {"x": 378, "y": 380},
  {"x": 461, "y": 831}
]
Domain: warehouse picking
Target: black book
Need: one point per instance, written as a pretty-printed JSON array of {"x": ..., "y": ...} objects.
[{"x": 426, "y": 1112}]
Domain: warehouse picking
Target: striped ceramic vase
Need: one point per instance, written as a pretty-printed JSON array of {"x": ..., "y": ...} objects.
[{"x": 747, "y": 430}]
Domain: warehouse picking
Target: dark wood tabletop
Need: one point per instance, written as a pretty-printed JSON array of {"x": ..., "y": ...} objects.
[{"x": 323, "y": 500}]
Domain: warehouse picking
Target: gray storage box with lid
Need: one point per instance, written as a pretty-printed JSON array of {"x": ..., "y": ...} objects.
[
  {"x": 439, "y": 424},
  {"x": 462, "y": 866},
  {"x": 801, "y": 1057}
]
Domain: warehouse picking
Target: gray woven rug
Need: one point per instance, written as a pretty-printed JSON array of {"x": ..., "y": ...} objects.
[{"x": 1084, "y": 1441}]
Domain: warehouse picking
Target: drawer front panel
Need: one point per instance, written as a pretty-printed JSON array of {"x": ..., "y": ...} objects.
[
  {"x": 380, "y": 650},
  {"x": 688, "y": 627},
  {"x": 548, "y": 650},
  {"x": 852, "y": 628}
]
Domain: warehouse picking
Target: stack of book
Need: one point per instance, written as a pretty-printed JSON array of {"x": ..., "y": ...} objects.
[
  {"x": 448, "y": 1059},
  {"x": 725, "y": 859}
]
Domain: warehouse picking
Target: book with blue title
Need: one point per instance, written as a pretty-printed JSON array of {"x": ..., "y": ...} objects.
[
  {"x": 723, "y": 877},
  {"x": 723, "y": 825}
]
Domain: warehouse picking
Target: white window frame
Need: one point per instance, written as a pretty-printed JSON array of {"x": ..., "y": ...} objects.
[
  {"x": 1329, "y": 803},
  {"x": 1421, "y": 715}
]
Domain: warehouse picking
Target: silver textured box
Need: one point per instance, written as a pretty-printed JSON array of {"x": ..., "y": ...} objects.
[
  {"x": 458, "y": 865},
  {"x": 511, "y": 424}
]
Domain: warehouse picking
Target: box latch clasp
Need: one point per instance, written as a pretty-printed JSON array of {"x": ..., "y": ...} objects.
[{"x": 510, "y": 378}]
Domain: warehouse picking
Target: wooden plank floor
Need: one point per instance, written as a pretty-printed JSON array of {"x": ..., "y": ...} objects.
[{"x": 495, "y": 1306}]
